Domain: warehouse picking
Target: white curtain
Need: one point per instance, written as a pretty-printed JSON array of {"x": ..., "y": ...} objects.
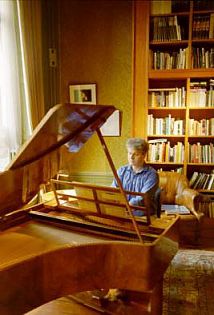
[
  {"x": 21, "y": 80},
  {"x": 15, "y": 122},
  {"x": 30, "y": 14}
]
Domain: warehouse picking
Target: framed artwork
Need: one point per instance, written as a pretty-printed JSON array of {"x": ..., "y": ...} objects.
[{"x": 82, "y": 94}]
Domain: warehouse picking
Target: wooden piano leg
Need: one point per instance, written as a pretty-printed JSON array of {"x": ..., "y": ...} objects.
[
  {"x": 151, "y": 301},
  {"x": 156, "y": 299}
]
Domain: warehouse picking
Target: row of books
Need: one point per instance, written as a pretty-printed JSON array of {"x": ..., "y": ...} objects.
[
  {"x": 168, "y": 97},
  {"x": 203, "y": 26},
  {"x": 165, "y": 126},
  {"x": 180, "y": 6},
  {"x": 160, "y": 150},
  {"x": 169, "y": 60},
  {"x": 200, "y": 180},
  {"x": 169, "y": 125},
  {"x": 199, "y": 153},
  {"x": 179, "y": 170},
  {"x": 165, "y": 7},
  {"x": 173, "y": 6},
  {"x": 203, "y": 127},
  {"x": 202, "y": 57},
  {"x": 199, "y": 5},
  {"x": 202, "y": 94},
  {"x": 166, "y": 28},
  {"x": 165, "y": 152}
]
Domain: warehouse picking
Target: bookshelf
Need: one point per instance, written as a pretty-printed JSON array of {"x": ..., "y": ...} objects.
[{"x": 173, "y": 95}]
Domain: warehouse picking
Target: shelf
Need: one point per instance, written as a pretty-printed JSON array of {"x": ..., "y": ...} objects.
[
  {"x": 167, "y": 108},
  {"x": 165, "y": 163},
  {"x": 203, "y": 41},
  {"x": 150, "y": 50},
  {"x": 172, "y": 14},
  {"x": 199, "y": 136},
  {"x": 166, "y": 136},
  {"x": 181, "y": 74},
  {"x": 157, "y": 43},
  {"x": 202, "y": 11},
  {"x": 201, "y": 108},
  {"x": 205, "y": 191},
  {"x": 201, "y": 164}
]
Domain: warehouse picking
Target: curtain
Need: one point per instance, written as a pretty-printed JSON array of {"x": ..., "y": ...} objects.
[
  {"x": 21, "y": 84},
  {"x": 31, "y": 30}
]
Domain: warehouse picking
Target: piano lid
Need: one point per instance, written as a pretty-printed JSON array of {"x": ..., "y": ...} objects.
[
  {"x": 38, "y": 160},
  {"x": 70, "y": 124}
]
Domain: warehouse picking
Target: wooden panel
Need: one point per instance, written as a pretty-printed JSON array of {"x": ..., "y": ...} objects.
[
  {"x": 140, "y": 68},
  {"x": 44, "y": 273}
]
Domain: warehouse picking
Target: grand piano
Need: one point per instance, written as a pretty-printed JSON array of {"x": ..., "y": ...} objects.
[{"x": 85, "y": 237}]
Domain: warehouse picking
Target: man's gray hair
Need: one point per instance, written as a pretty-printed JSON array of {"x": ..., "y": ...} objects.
[{"x": 138, "y": 144}]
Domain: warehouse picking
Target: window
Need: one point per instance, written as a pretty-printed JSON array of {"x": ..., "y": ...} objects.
[{"x": 15, "y": 122}]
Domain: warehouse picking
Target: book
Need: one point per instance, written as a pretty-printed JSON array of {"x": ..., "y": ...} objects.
[
  {"x": 206, "y": 182},
  {"x": 211, "y": 26},
  {"x": 197, "y": 181},
  {"x": 174, "y": 209},
  {"x": 157, "y": 140},
  {"x": 211, "y": 181},
  {"x": 193, "y": 179}
]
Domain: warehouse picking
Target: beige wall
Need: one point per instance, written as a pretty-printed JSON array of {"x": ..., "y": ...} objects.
[{"x": 96, "y": 47}]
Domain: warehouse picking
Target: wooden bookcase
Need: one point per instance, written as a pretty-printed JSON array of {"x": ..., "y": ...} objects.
[{"x": 185, "y": 77}]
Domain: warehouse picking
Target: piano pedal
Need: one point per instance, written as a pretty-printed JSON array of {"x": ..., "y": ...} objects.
[{"x": 114, "y": 295}]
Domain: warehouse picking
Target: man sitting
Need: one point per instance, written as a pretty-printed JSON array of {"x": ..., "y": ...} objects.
[{"x": 137, "y": 176}]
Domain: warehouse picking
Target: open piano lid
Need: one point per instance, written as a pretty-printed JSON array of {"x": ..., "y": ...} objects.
[{"x": 38, "y": 160}]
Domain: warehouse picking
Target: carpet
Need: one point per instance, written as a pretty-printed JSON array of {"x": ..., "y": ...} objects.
[{"x": 189, "y": 284}]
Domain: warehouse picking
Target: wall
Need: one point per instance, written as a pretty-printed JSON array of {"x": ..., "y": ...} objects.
[
  {"x": 96, "y": 47},
  {"x": 50, "y": 40}
]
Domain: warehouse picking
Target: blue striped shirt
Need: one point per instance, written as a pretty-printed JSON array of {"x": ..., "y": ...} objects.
[{"x": 146, "y": 180}]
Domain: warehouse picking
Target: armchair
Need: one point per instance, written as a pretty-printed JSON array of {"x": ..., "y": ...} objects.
[{"x": 174, "y": 189}]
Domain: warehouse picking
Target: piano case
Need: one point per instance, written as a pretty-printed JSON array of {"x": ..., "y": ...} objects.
[{"x": 85, "y": 237}]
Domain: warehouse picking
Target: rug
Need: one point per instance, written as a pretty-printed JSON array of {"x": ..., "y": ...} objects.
[{"x": 189, "y": 284}]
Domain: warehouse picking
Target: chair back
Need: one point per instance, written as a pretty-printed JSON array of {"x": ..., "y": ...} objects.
[{"x": 171, "y": 184}]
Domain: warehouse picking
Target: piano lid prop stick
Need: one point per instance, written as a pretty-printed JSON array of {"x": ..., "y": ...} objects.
[{"x": 119, "y": 183}]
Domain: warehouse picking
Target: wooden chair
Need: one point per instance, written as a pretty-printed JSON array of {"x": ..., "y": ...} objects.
[{"x": 175, "y": 190}]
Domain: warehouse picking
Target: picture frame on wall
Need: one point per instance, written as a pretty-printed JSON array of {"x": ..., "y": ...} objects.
[{"x": 82, "y": 93}]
